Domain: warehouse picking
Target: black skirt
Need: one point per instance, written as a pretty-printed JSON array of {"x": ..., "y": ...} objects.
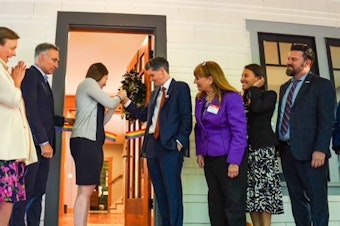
[
  {"x": 88, "y": 155},
  {"x": 88, "y": 158}
]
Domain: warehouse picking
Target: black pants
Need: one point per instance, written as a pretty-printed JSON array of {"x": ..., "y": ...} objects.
[{"x": 226, "y": 196}]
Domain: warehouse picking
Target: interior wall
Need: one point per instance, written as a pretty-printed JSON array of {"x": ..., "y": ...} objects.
[
  {"x": 116, "y": 152},
  {"x": 114, "y": 50}
]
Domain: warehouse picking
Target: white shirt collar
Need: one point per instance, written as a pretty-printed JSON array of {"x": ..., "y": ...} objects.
[
  {"x": 36, "y": 66},
  {"x": 167, "y": 84}
]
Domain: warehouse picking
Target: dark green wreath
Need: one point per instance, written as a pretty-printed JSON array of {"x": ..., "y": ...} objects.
[{"x": 135, "y": 89}]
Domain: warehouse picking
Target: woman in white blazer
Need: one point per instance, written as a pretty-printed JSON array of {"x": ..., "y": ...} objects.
[{"x": 16, "y": 143}]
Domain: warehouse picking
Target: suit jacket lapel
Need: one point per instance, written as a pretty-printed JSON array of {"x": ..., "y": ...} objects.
[
  {"x": 304, "y": 87},
  {"x": 48, "y": 91},
  {"x": 152, "y": 104},
  {"x": 45, "y": 85},
  {"x": 200, "y": 105},
  {"x": 283, "y": 90},
  {"x": 153, "y": 99},
  {"x": 169, "y": 91}
]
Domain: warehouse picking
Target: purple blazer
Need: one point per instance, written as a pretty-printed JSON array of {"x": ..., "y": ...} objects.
[{"x": 221, "y": 129}]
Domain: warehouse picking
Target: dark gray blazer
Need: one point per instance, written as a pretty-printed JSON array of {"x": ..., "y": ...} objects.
[{"x": 311, "y": 117}]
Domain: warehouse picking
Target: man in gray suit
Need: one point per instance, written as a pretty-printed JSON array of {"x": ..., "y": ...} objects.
[{"x": 304, "y": 127}]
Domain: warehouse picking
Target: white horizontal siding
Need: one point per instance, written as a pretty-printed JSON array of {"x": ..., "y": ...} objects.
[{"x": 197, "y": 30}]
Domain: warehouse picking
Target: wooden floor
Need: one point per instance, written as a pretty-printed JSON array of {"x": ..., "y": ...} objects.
[{"x": 96, "y": 219}]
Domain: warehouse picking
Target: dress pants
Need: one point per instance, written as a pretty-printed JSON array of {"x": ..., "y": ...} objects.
[
  {"x": 307, "y": 189},
  {"x": 165, "y": 167},
  {"x": 35, "y": 181},
  {"x": 226, "y": 196}
]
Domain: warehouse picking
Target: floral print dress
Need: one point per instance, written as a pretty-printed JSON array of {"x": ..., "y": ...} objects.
[
  {"x": 264, "y": 190},
  {"x": 12, "y": 184},
  {"x": 264, "y": 193}
]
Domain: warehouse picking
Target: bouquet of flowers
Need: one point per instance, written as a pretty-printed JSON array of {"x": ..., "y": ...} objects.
[{"x": 136, "y": 91}]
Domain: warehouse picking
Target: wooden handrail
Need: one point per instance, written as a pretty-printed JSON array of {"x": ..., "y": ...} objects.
[{"x": 114, "y": 180}]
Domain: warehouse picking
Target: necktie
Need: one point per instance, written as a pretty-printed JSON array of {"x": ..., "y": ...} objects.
[
  {"x": 46, "y": 78},
  {"x": 156, "y": 134},
  {"x": 289, "y": 103}
]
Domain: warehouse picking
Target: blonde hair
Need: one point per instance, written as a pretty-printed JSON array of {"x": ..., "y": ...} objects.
[{"x": 220, "y": 83}]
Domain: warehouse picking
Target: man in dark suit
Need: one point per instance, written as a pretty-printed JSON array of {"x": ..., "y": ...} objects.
[
  {"x": 38, "y": 99},
  {"x": 304, "y": 127},
  {"x": 165, "y": 147}
]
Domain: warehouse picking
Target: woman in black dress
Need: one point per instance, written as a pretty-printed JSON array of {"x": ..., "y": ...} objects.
[{"x": 264, "y": 195}]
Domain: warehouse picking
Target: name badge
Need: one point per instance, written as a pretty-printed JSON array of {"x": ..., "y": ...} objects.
[{"x": 213, "y": 109}]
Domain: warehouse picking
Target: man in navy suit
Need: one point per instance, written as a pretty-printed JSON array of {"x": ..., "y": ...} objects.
[
  {"x": 38, "y": 99},
  {"x": 164, "y": 152},
  {"x": 305, "y": 139}
]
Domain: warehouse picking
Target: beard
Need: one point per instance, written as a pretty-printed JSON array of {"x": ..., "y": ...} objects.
[{"x": 291, "y": 71}]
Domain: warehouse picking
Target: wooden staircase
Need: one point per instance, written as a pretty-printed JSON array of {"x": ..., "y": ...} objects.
[{"x": 117, "y": 206}]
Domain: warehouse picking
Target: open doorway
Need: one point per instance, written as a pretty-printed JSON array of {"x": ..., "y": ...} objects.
[
  {"x": 68, "y": 22},
  {"x": 115, "y": 51}
]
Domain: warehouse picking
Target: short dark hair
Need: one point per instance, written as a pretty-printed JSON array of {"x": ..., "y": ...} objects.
[
  {"x": 157, "y": 63},
  {"x": 97, "y": 71},
  {"x": 307, "y": 51},
  {"x": 43, "y": 47},
  {"x": 6, "y": 33}
]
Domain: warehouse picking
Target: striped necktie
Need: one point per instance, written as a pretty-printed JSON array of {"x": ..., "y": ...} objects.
[{"x": 289, "y": 103}]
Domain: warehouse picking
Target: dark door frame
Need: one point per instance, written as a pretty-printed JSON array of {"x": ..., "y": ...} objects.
[{"x": 83, "y": 21}]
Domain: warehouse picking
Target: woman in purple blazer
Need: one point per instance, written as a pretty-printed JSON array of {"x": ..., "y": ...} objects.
[{"x": 220, "y": 136}]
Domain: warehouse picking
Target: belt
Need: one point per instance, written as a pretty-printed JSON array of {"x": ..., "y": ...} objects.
[{"x": 286, "y": 142}]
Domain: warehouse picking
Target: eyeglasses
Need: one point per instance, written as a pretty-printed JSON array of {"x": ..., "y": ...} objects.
[{"x": 205, "y": 65}]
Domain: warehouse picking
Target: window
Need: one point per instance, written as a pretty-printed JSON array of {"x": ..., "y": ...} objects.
[
  {"x": 333, "y": 55},
  {"x": 274, "y": 49}
]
